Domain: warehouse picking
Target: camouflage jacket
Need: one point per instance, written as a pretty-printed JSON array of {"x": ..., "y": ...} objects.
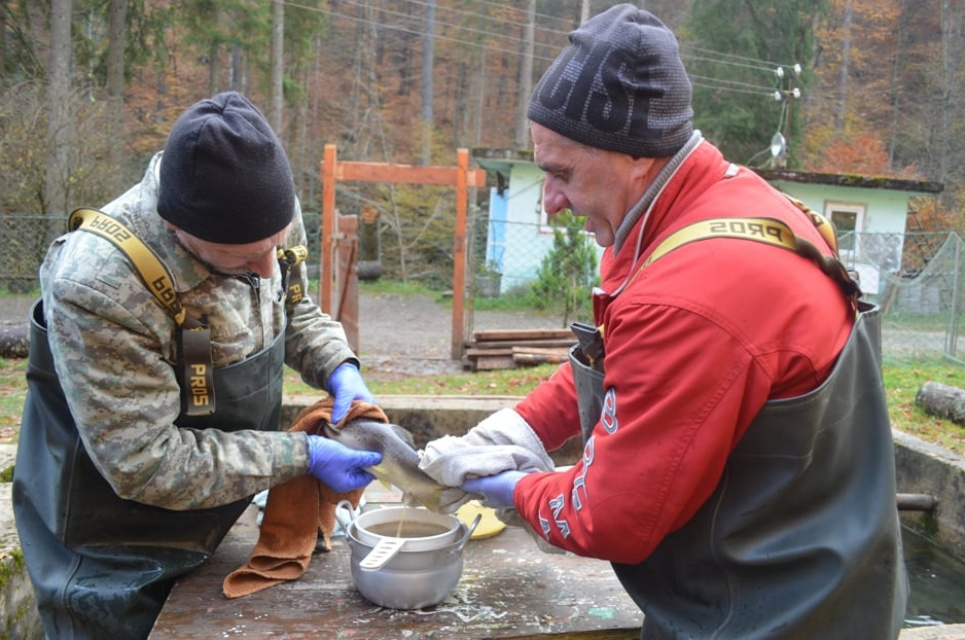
[{"x": 115, "y": 347}]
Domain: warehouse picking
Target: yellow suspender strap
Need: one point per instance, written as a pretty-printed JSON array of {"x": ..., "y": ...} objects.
[
  {"x": 768, "y": 231},
  {"x": 194, "y": 337},
  {"x": 287, "y": 259},
  {"x": 152, "y": 271}
]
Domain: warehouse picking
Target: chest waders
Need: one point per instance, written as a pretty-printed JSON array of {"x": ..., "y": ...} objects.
[
  {"x": 102, "y": 566},
  {"x": 801, "y": 538}
]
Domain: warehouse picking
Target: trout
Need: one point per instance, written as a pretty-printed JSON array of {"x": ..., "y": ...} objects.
[{"x": 400, "y": 460}]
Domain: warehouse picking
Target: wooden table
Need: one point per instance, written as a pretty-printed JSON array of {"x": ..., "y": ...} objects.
[{"x": 508, "y": 589}]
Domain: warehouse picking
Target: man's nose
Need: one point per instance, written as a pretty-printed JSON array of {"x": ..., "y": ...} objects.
[{"x": 553, "y": 199}]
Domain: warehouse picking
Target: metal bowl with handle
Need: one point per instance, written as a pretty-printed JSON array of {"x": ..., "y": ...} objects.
[{"x": 413, "y": 572}]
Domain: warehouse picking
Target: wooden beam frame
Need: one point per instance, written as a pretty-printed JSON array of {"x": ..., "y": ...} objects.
[{"x": 460, "y": 176}]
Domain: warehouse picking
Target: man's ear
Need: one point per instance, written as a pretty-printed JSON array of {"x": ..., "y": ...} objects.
[{"x": 646, "y": 168}]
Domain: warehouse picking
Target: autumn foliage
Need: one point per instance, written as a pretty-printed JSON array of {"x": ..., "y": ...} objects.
[{"x": 862, "y": 153}]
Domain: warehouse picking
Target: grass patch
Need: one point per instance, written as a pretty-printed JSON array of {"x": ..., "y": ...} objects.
[
  {"x": 13, "y": 391},
  {"x": 397, "y": 287},
  {"x": 511, "y": 382},
  {"x": 902, "y": 382}
]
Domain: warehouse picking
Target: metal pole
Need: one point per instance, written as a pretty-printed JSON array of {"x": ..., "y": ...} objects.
[{"x": 951, "y": 338}]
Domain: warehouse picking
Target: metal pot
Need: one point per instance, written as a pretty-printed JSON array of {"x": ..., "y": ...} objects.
[{"x": 411, "y": 578}]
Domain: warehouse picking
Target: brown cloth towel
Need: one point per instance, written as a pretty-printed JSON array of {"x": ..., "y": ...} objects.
[{"x": 294, "y": 514}]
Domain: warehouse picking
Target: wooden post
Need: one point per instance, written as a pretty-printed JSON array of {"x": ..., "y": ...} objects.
[
  {"x": 459, "y": 252},
  {"x": 328, "y": 229},
  {"x": 347, "y": 280}
]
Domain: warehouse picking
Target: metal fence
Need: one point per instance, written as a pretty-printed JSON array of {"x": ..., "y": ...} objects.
[
  {"x": 23, "y": 244},
  {"x": 916, "y": 278}
]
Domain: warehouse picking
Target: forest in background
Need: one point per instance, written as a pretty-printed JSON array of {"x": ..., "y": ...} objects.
[{"x": 89, "y": 89}]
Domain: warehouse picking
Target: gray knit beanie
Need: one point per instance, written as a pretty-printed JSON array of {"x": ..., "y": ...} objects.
[
  {"x": 619, "y": 85},
  {"x": 224, "y": 174}
]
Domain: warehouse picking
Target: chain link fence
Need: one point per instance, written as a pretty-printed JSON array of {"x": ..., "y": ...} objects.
[
  {"x": 918, "y": 279},
  {"x": 23, "y": 244}
]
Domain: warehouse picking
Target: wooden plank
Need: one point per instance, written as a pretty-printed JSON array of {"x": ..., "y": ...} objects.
[
  {"x": 538, "y": 351},
  {"x": 493, "y": 363},
  {"x": 502, "y": 351},
  {"x": 551, "y": 343},
  {"x": 523, "y": 334},
  {"x": 532, "y": 359},
  {"x": 405, "y": 173}
]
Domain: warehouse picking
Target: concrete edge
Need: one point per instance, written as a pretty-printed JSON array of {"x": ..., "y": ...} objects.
[{"x": 922, "y": 467}]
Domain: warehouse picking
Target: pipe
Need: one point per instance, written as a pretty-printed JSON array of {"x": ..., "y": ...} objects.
[{"x": 916, "y": 502}]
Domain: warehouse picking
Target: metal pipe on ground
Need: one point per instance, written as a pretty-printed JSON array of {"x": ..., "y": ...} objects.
[{"x": 916, "y": 502}]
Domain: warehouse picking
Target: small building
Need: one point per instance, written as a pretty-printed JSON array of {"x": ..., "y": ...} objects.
[
  {"x": 518, "y": 234},
  {"x": 860, "y": 207}
]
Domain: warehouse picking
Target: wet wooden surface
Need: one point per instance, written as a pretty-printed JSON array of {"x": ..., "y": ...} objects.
[{"x": 508, "y": 589}]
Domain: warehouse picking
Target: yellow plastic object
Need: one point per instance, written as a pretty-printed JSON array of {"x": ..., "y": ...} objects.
[{"x": 488, "y": 526}]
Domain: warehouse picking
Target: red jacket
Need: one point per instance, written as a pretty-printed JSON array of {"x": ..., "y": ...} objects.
[{"x": 695, "y": 345}]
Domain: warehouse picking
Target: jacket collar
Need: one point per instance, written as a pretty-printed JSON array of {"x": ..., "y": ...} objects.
[{"x": 697, "y": 172}]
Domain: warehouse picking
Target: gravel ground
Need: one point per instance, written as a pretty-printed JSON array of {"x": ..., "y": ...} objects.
[
  {"x": 399, "y": 335},
  {"x": 402, "y": 335}
]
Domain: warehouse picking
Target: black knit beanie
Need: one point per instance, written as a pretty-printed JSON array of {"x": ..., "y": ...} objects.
[
  {"x": 224, "y": 174},
  {"x": 619, "y": 85}
]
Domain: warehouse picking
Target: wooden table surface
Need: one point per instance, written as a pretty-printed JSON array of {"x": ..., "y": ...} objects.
[{"x": 508, "y": 589}]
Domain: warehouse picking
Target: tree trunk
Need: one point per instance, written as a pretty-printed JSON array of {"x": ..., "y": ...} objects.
[
  {"x": 214, "y": 68},
  {"x": 276, "y": 103},
  {"x": 845, "y": 66},
  {"x": 948, "y": 74},
  {"x": 428, "y": 53},
  {"x": 477, "y": 123},
  {"x": 59, "y": 125},
  {"x": 526, "y": 77},
  {"x": 942, "y": 400},
  {"x": 115, "y": 80},
  {"x": 896, "y": 71},
  {"x": 237, "y": 79}
]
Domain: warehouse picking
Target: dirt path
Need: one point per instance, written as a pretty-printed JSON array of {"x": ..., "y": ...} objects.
[
  {"x": 399, "y": 335},
  {"x": 405, "y": 335}
]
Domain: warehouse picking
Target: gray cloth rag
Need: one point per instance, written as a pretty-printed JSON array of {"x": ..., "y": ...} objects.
[{"x": 502, "y": 442}]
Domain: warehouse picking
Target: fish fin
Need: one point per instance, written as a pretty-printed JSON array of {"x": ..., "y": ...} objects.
[
  {"x": 431, "y": 501},
  {"x": 404, "y": 434},
  {"x": 379, "y": 472}
]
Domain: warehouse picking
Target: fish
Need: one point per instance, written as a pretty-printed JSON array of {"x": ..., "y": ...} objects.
[{"x": 400, "y": 460}]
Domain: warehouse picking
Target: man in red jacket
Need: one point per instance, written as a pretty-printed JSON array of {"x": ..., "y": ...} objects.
[{"x": 738, "y": 465}]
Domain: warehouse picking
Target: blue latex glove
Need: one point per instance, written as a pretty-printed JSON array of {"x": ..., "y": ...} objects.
[
  {"x": 346, "y": 385},
  {"x": 497, "y": 490},
  {"x": 341, "y": 468}
]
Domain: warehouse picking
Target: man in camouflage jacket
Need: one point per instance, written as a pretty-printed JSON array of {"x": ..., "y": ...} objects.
[{"x": 118, "y": 487}]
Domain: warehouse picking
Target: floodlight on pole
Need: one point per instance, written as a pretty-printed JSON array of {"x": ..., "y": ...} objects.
[{"x": 778, "y": 145}]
